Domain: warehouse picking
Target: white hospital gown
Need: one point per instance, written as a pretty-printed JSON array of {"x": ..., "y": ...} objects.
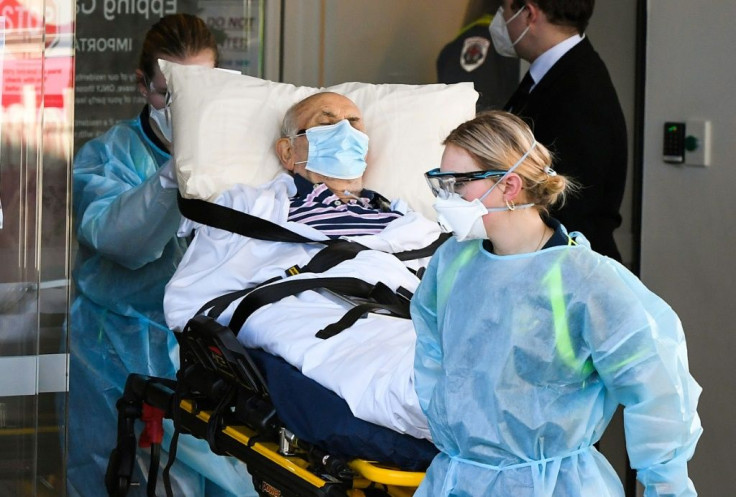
[{"x": 370, "y": 365}]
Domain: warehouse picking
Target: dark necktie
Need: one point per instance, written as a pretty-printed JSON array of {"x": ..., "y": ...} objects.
[{"x": 518, "y": 99}]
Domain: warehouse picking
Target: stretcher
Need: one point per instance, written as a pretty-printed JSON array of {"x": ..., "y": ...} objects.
[{"x": 221, "y": 396}]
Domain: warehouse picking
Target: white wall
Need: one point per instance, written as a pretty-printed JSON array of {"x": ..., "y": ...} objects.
[{"x": 689, "y": 218}]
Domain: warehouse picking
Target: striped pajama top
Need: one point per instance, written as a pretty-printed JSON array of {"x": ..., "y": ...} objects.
[{"x": 317, "y": 206}]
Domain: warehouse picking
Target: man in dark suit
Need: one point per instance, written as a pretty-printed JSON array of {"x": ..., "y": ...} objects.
[{"x": 568, "y": 99}]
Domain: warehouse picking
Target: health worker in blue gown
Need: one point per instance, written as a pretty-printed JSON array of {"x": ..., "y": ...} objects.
[
  {"x": 126, "y": 224},
  {"x": 527, "y": 340}
]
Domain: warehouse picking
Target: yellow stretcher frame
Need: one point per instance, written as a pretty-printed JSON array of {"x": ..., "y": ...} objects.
[
  {"x": 240, "y": 441},
  {"x": 216, "y": 373}
]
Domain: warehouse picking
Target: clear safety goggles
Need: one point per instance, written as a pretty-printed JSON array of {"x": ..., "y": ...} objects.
[
  {"x": 163, "y": 94},
  {"x": 444, "y": 183}
]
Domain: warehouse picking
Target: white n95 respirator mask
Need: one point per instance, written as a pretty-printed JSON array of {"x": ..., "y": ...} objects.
[
  {"x": 500, "y": 33},
  {"x": 464, "y": 219}
]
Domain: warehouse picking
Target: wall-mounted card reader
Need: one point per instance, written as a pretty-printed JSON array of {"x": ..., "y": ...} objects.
[{"x": 673, "y": 149}]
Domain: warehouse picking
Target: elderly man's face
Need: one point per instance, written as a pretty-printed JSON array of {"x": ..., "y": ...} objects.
[
  {"x": 329, "y": 108},
  {"x": 319, "y": 110}
]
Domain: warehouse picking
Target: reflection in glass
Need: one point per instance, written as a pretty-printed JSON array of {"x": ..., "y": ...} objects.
[{"x": 35, "y": 147}]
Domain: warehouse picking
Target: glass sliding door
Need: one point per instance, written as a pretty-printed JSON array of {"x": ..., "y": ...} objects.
[{"x": 36, "y": 65}]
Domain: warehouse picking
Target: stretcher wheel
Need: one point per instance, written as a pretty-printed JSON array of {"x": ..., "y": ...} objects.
[{"x": 117, "y": 485}]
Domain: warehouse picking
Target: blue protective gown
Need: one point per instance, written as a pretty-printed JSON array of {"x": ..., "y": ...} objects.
[
  {"x": 126, "y": 226},
  {"x": 521, "y": 362}
]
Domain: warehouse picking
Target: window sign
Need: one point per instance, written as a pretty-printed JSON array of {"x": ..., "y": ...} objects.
[{"x": 237, "y": 28}]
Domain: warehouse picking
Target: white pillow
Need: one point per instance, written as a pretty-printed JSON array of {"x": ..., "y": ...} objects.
[{"x": 225, "y": 126}]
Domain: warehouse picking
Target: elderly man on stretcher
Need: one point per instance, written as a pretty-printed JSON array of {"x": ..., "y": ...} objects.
[{"x": 364, "y": 357}]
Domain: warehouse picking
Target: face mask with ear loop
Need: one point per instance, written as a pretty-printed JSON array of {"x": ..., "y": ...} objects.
[
  {"x": 336, "y": 150},
  {"x": 500, "y": 33},
  {"x": 162, "y": 116},
  {"x": 465, "y": 219}
]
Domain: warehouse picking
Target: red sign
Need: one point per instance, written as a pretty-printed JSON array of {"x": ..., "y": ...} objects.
[{"x": 38, "y": 66}]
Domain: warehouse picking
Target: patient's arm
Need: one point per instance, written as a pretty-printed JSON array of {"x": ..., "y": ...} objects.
[{"x": 218, "y": 262}]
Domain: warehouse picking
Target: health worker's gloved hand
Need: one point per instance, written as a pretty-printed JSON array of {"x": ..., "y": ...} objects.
[{"x": 167, "y": 175}]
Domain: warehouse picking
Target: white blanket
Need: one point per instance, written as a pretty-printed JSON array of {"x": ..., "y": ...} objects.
[{"x": 370, "y": 365}]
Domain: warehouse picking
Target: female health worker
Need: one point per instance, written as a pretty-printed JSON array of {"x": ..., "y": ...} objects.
[
  {"x": 126, "y": 224},
  {"x": 527, "y": 340}
]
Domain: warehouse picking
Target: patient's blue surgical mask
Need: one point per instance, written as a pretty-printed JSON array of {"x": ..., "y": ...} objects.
[
  {"x": 465, "y": 218},
  {"x": 500, "y": 33},
  {"x": 336, "y": 150}
]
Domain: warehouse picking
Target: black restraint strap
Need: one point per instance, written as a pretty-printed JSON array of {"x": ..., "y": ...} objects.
[
  {"x": 335, "y": 252},
  {"x": 354, "y": 287},
  {"x": 218, "y": 305},
  {"x": 329, "y": 257},
  {"x": 343, "y": 250},
  {"x": 216, "y": 422},
  {"x": 325, "y": 259},
  {"x": 353, "y": 315},
  {"x": 409, "y": 255},
  {"x": 235, "y": 221},
  {"x": 226, "y": 218}
]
